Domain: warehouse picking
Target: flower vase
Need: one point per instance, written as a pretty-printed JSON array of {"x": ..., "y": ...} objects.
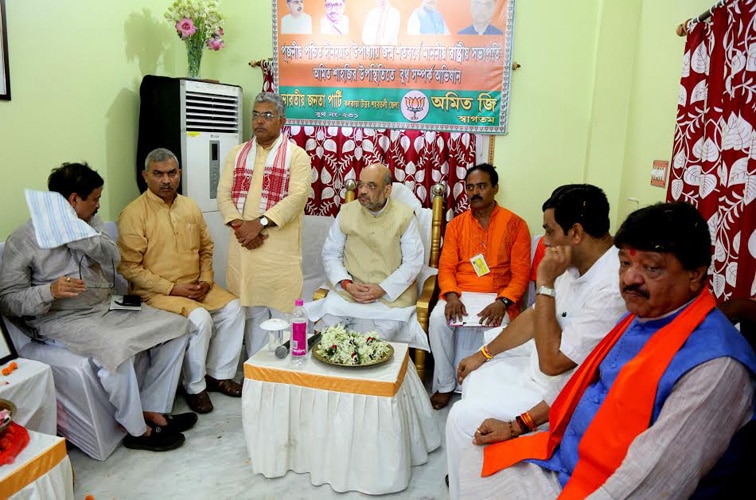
[{"x": 194, "y": 48}]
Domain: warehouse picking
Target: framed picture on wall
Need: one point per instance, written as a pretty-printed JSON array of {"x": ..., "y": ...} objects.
[{"x": 4, "y": 75}]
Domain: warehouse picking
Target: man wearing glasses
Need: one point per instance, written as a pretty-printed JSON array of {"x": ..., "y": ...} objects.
[
  {"x": 55, "y": 279},
  {"x": 296, "y": 22},
  {"x": 167, "y": 257},
  {"x": 261, "y": 196},
  {"x": 335, "y": 22},
  {"x": 372, "y": 256}
]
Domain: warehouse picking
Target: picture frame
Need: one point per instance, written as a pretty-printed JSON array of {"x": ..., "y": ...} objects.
[
  {"x": 7, "y": 349},
  {"x": 5, "y": 93}
]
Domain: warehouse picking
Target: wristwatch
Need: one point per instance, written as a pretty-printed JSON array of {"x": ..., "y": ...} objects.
[
  {"x": 264, "y": 221},
  {"x": 544, "y": 290},
  {"x": 505, "y": 301}
]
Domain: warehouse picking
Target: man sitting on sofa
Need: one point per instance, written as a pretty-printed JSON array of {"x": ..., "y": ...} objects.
[
  {"x": 57, "y": 275},
  {"x": 167, "y": 257},
  {"x": 372, "y": 256}
]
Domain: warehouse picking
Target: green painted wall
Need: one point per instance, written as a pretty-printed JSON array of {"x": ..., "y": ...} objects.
[
  {"x": 594, "y": 100},
  {"x": 653, "y": 101}
]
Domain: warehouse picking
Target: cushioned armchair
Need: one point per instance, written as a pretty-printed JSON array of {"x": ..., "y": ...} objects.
[{"x": 429, "y": 225}]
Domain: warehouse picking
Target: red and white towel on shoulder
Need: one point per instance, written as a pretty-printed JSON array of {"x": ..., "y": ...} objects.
[{"x": 275, "y": 183}]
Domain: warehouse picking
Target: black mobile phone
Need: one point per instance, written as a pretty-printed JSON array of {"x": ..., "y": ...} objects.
[{"x": 131, "y": 300}]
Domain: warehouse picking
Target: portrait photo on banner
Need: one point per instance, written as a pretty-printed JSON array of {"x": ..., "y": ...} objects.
[{"x": 411, "y": 64}]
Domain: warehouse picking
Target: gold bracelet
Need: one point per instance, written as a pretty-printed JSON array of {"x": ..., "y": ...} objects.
[{"x": 486, "y": 353}]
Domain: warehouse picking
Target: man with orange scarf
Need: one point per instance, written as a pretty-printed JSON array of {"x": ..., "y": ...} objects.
[{"x": 655, "y": 406}]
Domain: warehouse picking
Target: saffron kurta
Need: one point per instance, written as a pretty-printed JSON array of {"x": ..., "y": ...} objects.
[
  {"x": 270, "y": 275},
  {"x": 505, "y": 244},
  {"x": 162, "y": 245}
]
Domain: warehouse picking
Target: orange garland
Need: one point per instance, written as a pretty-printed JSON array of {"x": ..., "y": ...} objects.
[{"x": 10, "y": 368}]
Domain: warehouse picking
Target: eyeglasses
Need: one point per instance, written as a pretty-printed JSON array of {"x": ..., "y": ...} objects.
[
  {"x": 370, "y": 186},
  {"x": 335, "y": 5},
  {"x": 267, "y": 115},
  {"x": 97, "y": 285}
]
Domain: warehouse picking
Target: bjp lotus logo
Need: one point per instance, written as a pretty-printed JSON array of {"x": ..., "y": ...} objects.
[{"x": 414, "y": 105}]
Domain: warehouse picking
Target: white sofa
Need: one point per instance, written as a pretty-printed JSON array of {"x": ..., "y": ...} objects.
[{"x": 85, "y": 415}]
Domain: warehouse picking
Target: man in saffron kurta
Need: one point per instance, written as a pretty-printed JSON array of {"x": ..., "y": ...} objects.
[
  {"x": 486, "y": 249},
  {"x": 655, "y": 410},
  {"x": 372, "y": 256},
  {"x": 167, "y": 257},
  {"x": 261, "y": 195}
]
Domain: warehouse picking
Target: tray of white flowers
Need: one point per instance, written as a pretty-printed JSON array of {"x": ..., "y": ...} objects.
[{"x": 341, "y": 347}]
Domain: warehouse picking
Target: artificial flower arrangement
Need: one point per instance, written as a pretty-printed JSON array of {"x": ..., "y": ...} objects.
[
  {"x": 198, "y": 24},
  {"x": 347, "y": 347}
]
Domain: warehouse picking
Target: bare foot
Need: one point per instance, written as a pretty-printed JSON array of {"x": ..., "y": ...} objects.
[{"x": 440, "y": 399}]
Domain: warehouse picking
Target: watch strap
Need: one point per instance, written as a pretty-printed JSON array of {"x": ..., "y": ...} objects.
[{"x": 544, "y": 290}]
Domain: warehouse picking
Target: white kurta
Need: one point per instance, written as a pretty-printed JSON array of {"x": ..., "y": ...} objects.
[
  {"x": 587, "y": 307},
  {"x": 394, "y": 285}
]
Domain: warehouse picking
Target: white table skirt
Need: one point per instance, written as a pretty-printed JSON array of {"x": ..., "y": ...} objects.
[
  {"x": 30, "y": 387},
  {"x": 41, "y": 470},
  {"x": 354, "y": 442}
]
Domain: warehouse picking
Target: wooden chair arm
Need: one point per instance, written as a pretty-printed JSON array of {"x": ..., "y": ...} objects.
[
  {"x": 320, "y": 293},
  {"x": 426, "y": 301}
]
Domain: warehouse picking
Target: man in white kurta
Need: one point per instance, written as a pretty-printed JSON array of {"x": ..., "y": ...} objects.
[
  {"x": 56, "y": 279},
  {"x": 296, "y": 22},
  {"x": 372, "y": 257},
  {"x": 577, "y": 304},
  {"x": 261, "y": 196},
  {"x": 334, "y": 22},
  {"x": 167, "y": 257},
  {"x": 381, "y": 25}
]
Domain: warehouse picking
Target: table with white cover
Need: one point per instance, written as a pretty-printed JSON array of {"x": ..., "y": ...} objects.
[
  {"x": 41, "y": 470},
  {"x": 357, "y": 429},
  {"x": 30, "y": 387}
]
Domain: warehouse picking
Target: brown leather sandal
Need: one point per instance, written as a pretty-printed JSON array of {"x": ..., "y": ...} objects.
[{"x": 227, "y": 386}]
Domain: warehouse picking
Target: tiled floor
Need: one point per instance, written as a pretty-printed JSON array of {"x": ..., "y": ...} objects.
[{"x": 213, "y": 464}]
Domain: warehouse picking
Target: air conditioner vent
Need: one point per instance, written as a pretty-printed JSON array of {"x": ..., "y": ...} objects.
[{"x": 212, "y": 112}]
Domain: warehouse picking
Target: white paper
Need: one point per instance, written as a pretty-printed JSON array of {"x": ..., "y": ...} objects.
[{"x": 474, "y": 303}]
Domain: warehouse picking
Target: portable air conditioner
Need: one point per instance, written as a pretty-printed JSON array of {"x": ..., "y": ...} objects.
[{"x": 200, "y": 122}]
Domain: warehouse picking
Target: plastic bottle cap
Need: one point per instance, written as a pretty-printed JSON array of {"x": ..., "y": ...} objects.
[{"x": 299, "y": 302}]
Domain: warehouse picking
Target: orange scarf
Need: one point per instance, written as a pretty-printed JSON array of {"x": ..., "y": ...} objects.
[{"x": 625, "y": 413}]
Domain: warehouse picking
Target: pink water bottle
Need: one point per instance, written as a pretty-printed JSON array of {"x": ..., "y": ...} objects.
[{"x": 298, "y": 333}]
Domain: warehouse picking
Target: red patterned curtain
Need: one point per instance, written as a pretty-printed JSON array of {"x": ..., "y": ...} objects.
[
  {"x": 416, "y": 158},
  {"x": 714, "y": 155}
]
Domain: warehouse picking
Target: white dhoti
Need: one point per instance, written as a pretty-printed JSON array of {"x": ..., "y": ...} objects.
[
  {"x": 450, "y": 345},
  {"x": 154, "y": 390},
  {"x": 500, "y": 389},
  {"x": 214, "y": 348},
  {"x": 523, "y": 481},
  {"x": 395, "y": 324}
]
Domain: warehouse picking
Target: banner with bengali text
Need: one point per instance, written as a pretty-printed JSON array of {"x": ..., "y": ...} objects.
[{"x": 411, "y": 64}]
